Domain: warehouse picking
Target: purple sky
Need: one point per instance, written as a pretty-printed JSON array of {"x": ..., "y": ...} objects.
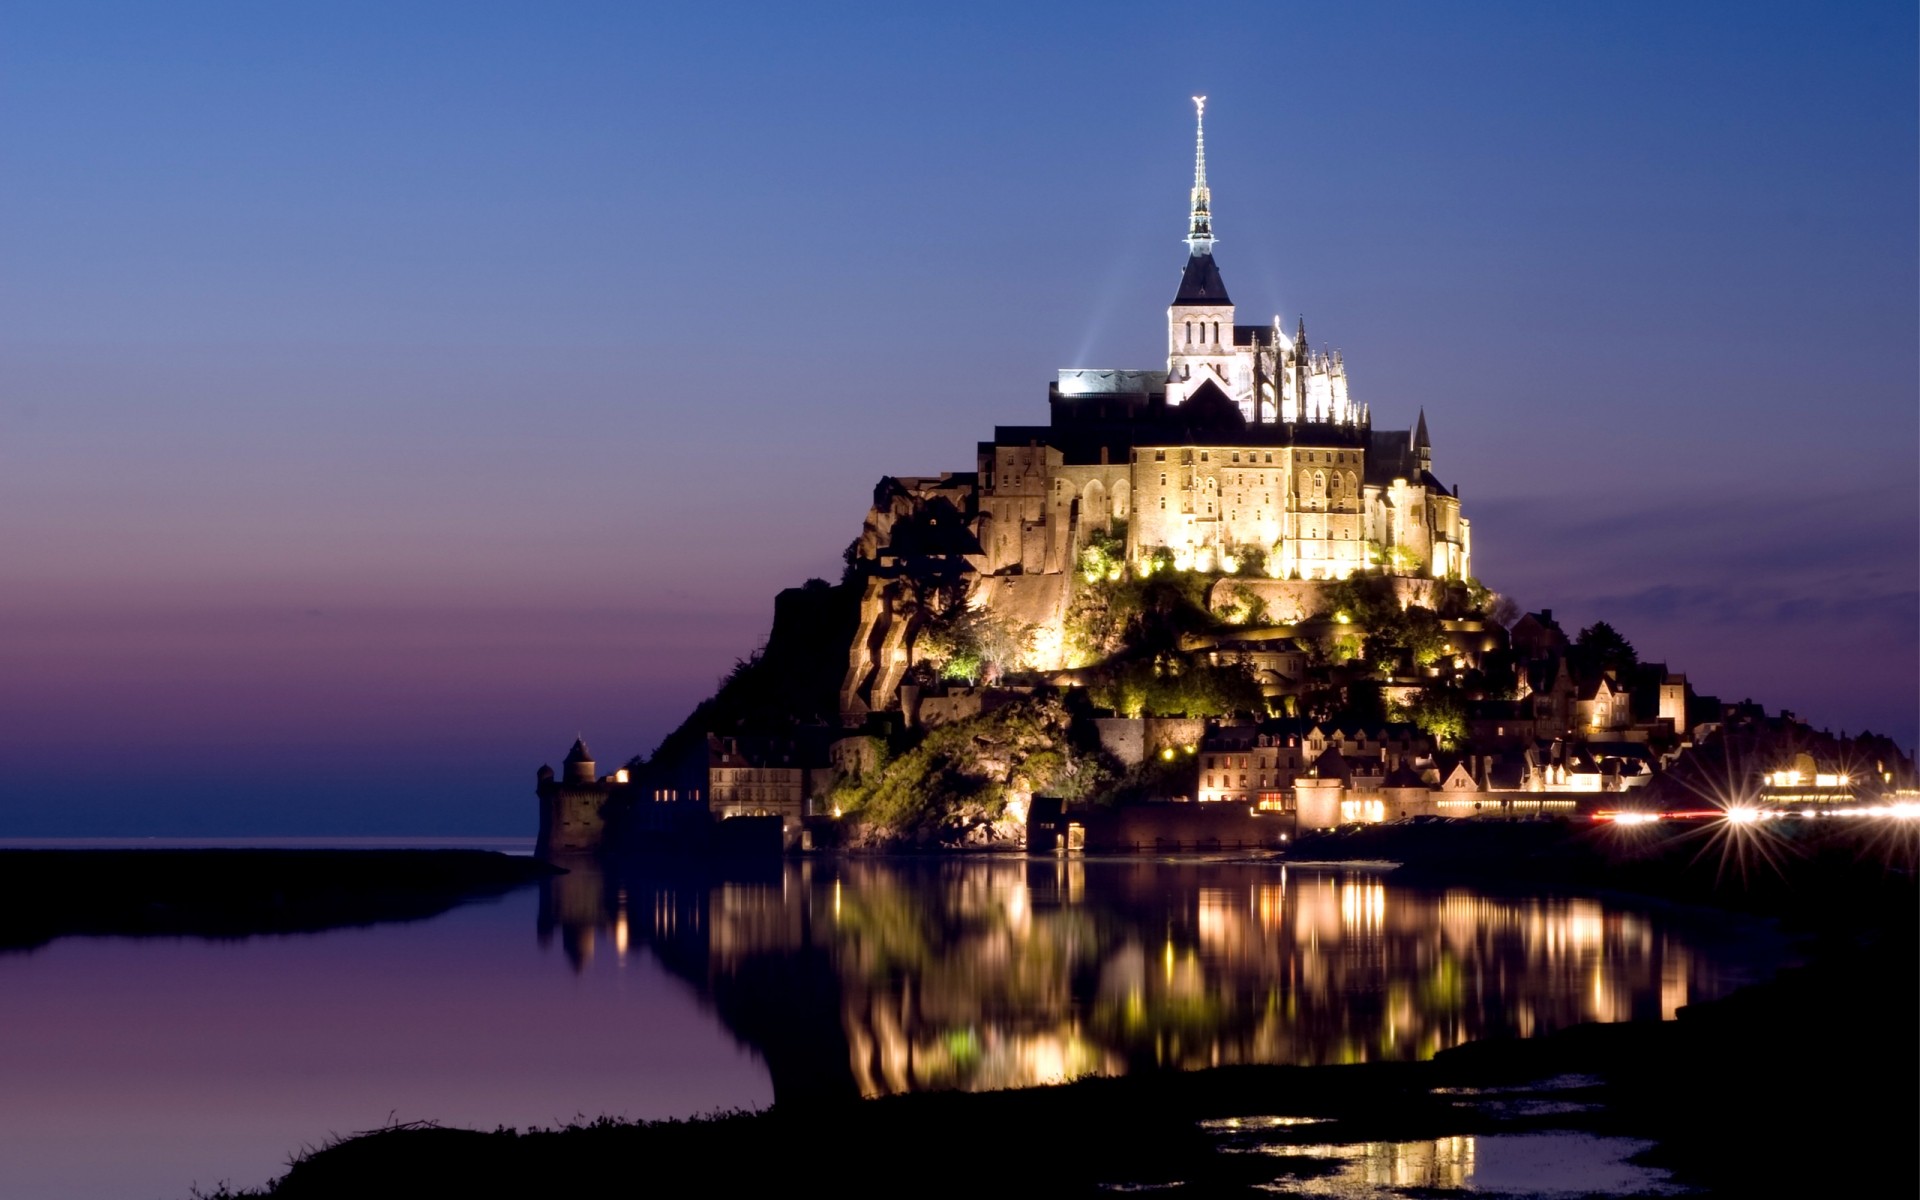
[{"x": 387, "y": 395}]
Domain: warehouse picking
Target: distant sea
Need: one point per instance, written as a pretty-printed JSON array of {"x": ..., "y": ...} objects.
[{"x": 500, "y": 845}]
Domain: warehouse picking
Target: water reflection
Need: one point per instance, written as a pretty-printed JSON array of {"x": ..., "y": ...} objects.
[
  {"x": 881, "y": 976},
  {"x": 1530, "y": 1164}
]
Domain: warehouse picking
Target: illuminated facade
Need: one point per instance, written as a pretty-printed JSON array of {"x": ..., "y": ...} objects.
[
  {"x": 1247, "y": 444},
  {"x": 1246, "y": 455}
]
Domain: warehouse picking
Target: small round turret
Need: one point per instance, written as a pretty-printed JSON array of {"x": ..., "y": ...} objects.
[{"x": 579, "y": 764}]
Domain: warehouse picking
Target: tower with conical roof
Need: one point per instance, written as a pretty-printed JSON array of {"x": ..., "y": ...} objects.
[
  {"x": 580, "y": 765},
  {"x": 1200, "y": 344}
]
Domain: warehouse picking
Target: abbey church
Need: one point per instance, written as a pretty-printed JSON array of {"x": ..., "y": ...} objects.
[{"x": 1248, "y": 444}]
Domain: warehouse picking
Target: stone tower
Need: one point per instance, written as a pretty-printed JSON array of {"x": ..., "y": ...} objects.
[{"x": 572, "y": 808}]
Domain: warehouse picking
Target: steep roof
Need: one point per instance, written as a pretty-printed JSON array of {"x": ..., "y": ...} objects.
[
  {"x": 1200, "y": 283},
  {"x": 1208, "y": 406},
  {"x": 1332, "y": 765},
  {"x": 579, "y": 753},
  {"x": 1403, "y": 776},
  {"x": 1389, "y": 456}
]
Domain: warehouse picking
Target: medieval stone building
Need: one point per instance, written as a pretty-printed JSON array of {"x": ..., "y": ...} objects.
[
  {"x": 1247, "y": 454},
  {"x": 1249, "y": 442}
]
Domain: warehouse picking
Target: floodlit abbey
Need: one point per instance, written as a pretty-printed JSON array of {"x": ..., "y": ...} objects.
[
  {"x": 1248, "y": 444},
  {"x": 1216, "y": 582}
]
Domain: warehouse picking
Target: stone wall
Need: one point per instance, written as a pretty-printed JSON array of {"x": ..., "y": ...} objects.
[
  {"x": 1148, "y": 827},
  {"x": 1172, "y": 733},
  {"x": 572, "y": 818},
  {"x": 1316, "y": 802},
  {"x": 1123, "y": 737}
]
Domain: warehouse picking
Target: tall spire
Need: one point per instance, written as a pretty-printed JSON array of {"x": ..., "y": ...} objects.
[{"x": 1200, "y": 222}]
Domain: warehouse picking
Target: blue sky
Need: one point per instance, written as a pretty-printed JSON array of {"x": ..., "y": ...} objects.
[{"x": 388, "y": 393}]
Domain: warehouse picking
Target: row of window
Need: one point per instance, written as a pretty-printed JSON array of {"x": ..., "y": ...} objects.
[
  {"x": 1318, "y": 482},
  {"x": 1203, "y": 332},
  {"x": 1227, "y": 760},
  {"x": 1227, "y": 781},
  {"x": 1338, "y": 457}
]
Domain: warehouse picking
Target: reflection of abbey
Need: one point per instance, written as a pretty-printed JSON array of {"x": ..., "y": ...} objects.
[{"x": 1248, "y": 441}]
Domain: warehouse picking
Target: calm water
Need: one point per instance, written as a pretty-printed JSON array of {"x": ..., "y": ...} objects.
[{"x": 134, "y": 1068}]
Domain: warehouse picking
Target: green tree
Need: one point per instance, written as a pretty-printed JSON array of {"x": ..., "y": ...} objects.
[{"x": 1442, "y": 716}]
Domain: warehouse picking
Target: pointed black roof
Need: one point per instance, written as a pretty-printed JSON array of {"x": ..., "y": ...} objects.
[
  {"x": 1200, "y": 283},
  {"x": 1420, "y": 433},
  {"x": 1209, "y": 407},
  {"x": 579, "y": 753}
]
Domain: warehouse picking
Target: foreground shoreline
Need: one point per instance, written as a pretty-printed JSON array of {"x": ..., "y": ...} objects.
[{"x": 1801, "y": 1084}]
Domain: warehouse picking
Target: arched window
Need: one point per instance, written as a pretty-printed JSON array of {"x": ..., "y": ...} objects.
[
  {"x": 1189, "y": 333},
  {"x": 1319, "y": 484}
]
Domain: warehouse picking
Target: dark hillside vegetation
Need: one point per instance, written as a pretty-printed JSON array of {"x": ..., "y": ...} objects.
[{"x": 793, "y": 680}]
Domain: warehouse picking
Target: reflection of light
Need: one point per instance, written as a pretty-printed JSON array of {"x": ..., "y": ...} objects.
[
  {"x": 1586, "y": 924},
  {"x": 1605, "y": 1003},
  {"x": 1673, "y": 983},
  {"x": 620, "y": 935},
  {"x": 1217, "y": 912},
  {"x": 1442, "y": 1164},
  {"x": 1267, "y": 901},
  {"x": 1363, "y": 905}
]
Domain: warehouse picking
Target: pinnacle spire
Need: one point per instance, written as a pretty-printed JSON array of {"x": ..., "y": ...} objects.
[{"x": 1200, "y": 220}]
